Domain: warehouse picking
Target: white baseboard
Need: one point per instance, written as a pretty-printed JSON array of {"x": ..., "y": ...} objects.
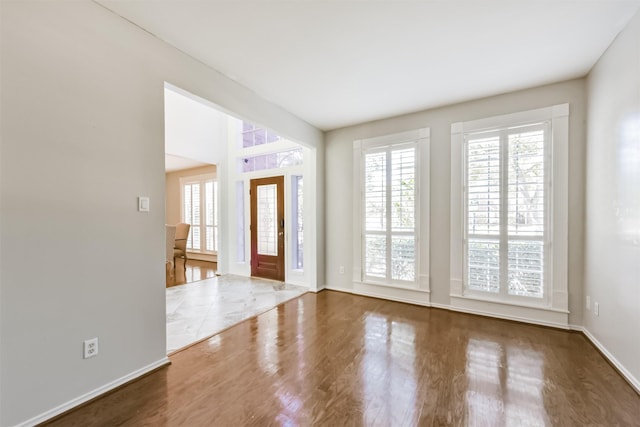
[
  {"x": 426, "y": 303},
  {"x": 498, "y": 316},
  {"x": 339, "y": 289},
  {"x": 633, "y": 381},
  {"x": 401, "y": 295},
  {"x": 544, "y": 316},
  {"x": 442, "y": 306},
  {"x": 522, "y": 319},
  {"x": 202, "y": 257},
  {"x": 93, "y": 394}
]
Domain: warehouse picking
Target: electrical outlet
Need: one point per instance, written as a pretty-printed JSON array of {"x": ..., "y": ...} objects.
[
  {"x": 588, "y": 302},
  {"x": 342, "y": 269},
  {"x": 596, "y": 309},
  {"x": 91, "y": 348}
]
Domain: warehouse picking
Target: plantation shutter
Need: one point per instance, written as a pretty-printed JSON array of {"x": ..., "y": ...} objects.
[
  {"x": 389, "y": 237},
  {"x": 506, "y": 192},
  {"x": 483, "y": 212},
  {"x": 375, "y": 220},
  {"x": 526, "y": 211},
  {"x": 188, "y": 210},
  {"x": 209, "y": 214},
  {"x": 195, "y": 217},
  {"x": 199, "y": 210}
]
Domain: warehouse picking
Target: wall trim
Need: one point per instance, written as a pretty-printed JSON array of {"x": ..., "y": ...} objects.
[
  {"x": 398, "y": 297},
  {"x": 506, "y": 316},
  {"x": 318, "y": 289},
  {"x": 395, "y": 293},
  {"x": 481, "y": 300},
  {"x": 425, "y": 282},
  {"x": 45, "y": 416},
  {"x": 624, "y": 372},
  {"x": 427, "y": 303},
  {"x": 202, "y": 257}
]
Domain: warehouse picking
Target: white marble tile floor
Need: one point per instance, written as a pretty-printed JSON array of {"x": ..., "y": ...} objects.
[{"x": 201, "y": 309}]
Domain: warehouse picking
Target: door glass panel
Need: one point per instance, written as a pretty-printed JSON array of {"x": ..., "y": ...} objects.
[{"x": 267, "y": 219}]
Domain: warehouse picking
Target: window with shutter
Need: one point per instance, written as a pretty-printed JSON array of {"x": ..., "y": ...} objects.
[
  {"x": 506, "y": 210},
  {"x": 509, "y": 191},
  {"x": 389, "y": 221},
  {"x": 198, "y": 209}
]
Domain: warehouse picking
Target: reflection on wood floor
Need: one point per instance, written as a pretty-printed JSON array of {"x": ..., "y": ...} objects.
[
  {"x": 334, "y": 359},
  {"x": 195, "y": 271}
]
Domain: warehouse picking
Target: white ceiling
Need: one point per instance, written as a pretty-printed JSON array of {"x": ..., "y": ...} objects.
[{"x": 337, "y": 63}]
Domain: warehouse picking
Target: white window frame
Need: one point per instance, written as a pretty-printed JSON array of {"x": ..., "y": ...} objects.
[
  {"x": 201, "y": 180},
  {"x": 552, "y": 309},
  {"x": 416, "y": 291}
]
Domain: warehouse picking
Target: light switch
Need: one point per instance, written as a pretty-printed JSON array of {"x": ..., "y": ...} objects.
[{"x": 143, "y": 204}]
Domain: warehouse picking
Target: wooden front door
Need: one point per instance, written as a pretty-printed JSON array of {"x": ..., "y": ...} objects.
[{"x": 267, "y": 228}]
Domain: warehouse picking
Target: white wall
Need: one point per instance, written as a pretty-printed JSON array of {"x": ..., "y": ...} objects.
[
  {"x": 83, "y": 136},
  {"x": 193, "y": 129},
  {"x": 612, "y": 255},
  {"x": 338, "y": 180}
]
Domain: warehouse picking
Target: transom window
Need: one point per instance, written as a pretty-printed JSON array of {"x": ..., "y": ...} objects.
[
  {"x": 278, "y": 160},
  {"x": 252, "y": 135}
]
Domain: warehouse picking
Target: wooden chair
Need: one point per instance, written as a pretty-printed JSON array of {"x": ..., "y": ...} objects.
[
  {"x": 171, "y": 243},
  {"x": 180, "y": 247}
]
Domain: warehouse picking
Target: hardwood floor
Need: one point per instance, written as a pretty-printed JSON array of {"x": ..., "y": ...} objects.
[
  {"x": 195, "y": 271},
  {"x": 334, "y": 359}
]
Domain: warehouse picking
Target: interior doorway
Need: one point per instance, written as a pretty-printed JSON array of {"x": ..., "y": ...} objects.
[
  {"x": 213, "y": 196},
  {"x": 267, "y": 228}
]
